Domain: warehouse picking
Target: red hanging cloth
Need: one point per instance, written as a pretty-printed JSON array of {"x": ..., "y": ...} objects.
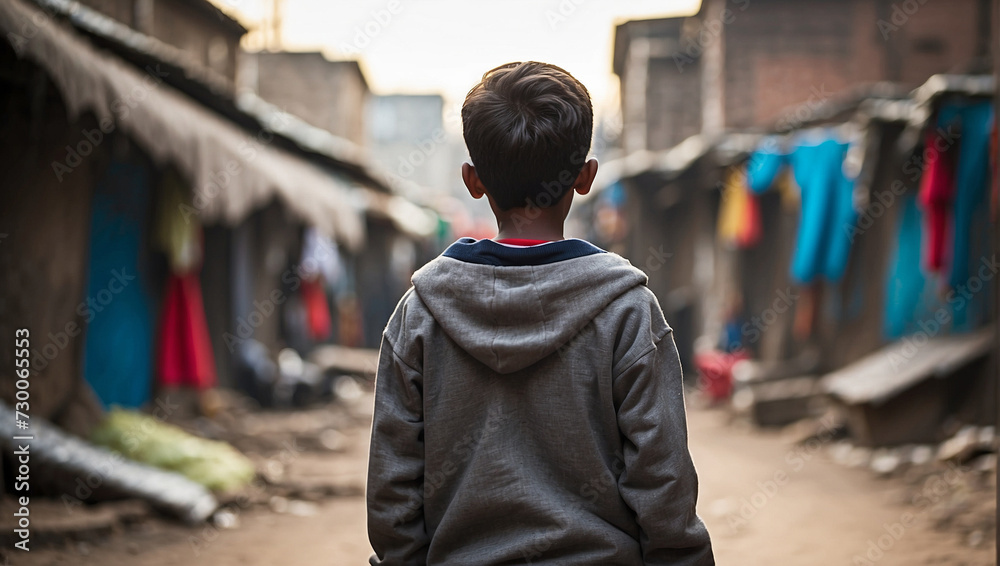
[
  {"x": 317, "y": 309},
  {"x": 186, "y": 357},
  {"x": 750, "y": 231},
  {"x": 937, "y": 191}
]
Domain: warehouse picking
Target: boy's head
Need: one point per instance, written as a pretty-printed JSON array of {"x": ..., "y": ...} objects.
[{"x": 528, "y": 128}]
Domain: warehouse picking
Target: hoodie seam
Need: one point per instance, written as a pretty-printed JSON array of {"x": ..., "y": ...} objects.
[
  {"x": 541, "y": 306},
  {"x": 635, "y": 361},
  {"x": 496, "y": 323},
  {"x": 395, "y": 354},
  {"x": 652, "y": 348}
]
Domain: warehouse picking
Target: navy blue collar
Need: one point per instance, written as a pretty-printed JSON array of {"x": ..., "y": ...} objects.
[{"x": 488, "y": 252}]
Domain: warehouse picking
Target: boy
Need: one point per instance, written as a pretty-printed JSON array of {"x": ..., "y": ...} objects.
[{"x": 528, "y": 403}]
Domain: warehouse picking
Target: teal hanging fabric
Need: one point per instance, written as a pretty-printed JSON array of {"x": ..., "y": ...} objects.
[
  {"x": 118, "y": 343},
  {"x": 975, "y": 122},
  {"x": 823, "y": 243},
  {"x": 764, "y": 166},
  {"x": 909, "y": 292},
  {"x": 970, "y": 239}
]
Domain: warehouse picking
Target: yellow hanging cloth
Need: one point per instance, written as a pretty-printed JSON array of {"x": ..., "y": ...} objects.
[
  {"x": 732, "y": 210},
  {"x": 177, "y": 232}
]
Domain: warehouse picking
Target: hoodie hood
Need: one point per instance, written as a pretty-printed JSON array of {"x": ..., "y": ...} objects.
[{"x": 509, "y": 307}]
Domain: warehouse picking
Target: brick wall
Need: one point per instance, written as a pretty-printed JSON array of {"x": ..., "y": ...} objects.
[
  {"x": 206, "y": 38},
  {"x": 327, "y": 94},
  {"x": 673, "y": 103},
  {"x": 776, "y": 50},
  {"x": 652, "y": 58},
  {"x": 194, "y": 26},
  {"x": 782, "y": 53}
]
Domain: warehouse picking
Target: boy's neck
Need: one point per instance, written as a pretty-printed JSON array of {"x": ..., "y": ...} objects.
[
  {"x": 516, "y": 226},
  {"x": 532, "y": 222}
]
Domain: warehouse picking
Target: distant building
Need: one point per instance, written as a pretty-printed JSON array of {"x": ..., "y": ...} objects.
[
  {"x": 406, "y": 136},
  {"x": 196, "y": 27},
  {"x": 745, "y": 67},
  {"x": 739, "y": 64},
  {"x": 661, "y": 99},
  {"x": 116, "y": 138},
  {"x": 327, "y": 94}
]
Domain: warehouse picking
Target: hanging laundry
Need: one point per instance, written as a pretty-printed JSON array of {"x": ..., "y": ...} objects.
[
  {"x": 317, "y": 309},
  {"x": 764, "y": 166},
  {"x": 177, "y": 231},
  {"x": 186, "y": 357},
  {"x": 320, "y": 265},
  {"x": 320, "y": 256},
  {"x": 731, "y": 207},
  {"x": 785, "y": 185},
  {"x": 739, "y": 212},
  {"x": 937, "y": 193},
  {"x": 827, "y": 214},
  {"x": 976, "y": 122},
  {"x": 909, "y": 298},
  {"x": 751, "y": 229},
  {"x": 118, "y": 343},
  {"x": 807, "y": 311}
]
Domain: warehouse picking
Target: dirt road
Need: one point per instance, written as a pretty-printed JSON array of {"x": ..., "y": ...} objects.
[{"x": 766, "y": 502}]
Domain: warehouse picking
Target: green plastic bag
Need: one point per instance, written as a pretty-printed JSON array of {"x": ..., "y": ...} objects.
[{"x": 140, "y": 437}]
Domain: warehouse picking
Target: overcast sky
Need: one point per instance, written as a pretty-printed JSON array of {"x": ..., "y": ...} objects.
[{"x": 444, "y": 46}]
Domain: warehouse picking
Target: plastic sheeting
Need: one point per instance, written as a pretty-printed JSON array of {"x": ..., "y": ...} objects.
[
  {"x": 69, "y": 461},
  {"x": 232, "y": 171}
]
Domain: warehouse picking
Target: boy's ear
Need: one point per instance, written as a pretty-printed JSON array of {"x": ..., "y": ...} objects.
[
  {"x": 472, "y": 182},
  {"x": 585, "y": 179}
]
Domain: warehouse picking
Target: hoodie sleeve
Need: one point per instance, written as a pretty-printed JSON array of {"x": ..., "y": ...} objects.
[
  {"x": 394, "y": 494},
  {"x": 659, "y": 481}
]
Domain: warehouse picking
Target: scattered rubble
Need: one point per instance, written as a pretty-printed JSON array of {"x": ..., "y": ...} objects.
[{"x": 294, "y": 454}]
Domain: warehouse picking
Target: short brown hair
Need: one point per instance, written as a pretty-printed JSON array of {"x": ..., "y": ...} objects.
[{"x": 528, "y": 128}]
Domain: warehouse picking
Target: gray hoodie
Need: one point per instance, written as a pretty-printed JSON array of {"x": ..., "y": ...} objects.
[{"x": 529, "y": 409}]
